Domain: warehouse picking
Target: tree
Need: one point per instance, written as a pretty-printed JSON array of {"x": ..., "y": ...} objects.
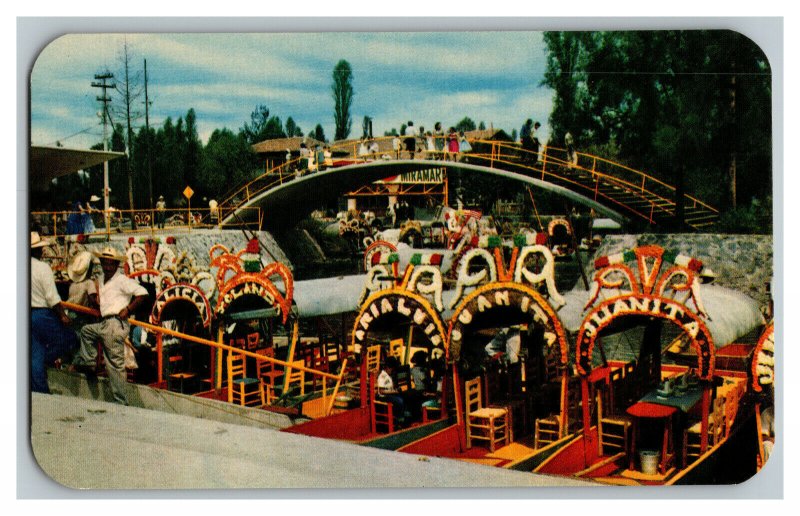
[
  {"x": 366, "y": 127},
  {"x": 692, "y": 108},
  {"x": 262, "y": 126},
  {"x": 481, "y": 126},
  {"x": 342, "y": 89},
  {"x": 227, "y": 161},
  {"x": 129, "y": 88},
  {"x": 292, "y": 129},
  {"x": 318, "y": 133},
  {"x": 465, "y": 124}
]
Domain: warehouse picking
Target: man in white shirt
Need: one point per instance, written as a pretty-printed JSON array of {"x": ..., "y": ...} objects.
[
  {"x": 118, "y": 298},
  {"x": 50, "y": 335},
  {"x": 411, "y": 139}
]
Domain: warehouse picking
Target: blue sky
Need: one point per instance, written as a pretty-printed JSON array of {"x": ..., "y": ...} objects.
[{"x": 425, "y": 77}]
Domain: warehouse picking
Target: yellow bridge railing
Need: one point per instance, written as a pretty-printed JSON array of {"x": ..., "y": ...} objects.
[{"x": 552, "y": 163}]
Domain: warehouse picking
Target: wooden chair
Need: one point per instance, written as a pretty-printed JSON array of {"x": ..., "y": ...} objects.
[
  {"x": 176, "y": 374},
  {"x": 484, "y": 423},
  {"x": 314, "y": 359},
  {"x": 253, "y": 341},
  {"x": 397, "y": 348},
  {"x": 716, "y": 431},
  {"x": 382, "y": 416},
  {"x": 373, "y": 359},
  {"x": 241, "y": 388},
  {"x": 296, "y": 376},
  {"x": 613, "y": 430},
  {"x": 268, "y": 376},
  {"x": 552, "y": 428}
]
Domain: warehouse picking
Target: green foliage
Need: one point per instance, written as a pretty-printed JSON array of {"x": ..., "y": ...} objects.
[
  {"x": 482, "y": 126},
  {"x": 318, "y": 134},
  {"x": 342, "y": 89},
  {"x": 669, "y": 103},
  {"x": 465, "y": 124},
  {"x": 227, "y": 161},
  {"x": 262, "y": 126},
  {"x": 753, "y": 219},
  {"x": 292, "y": 129}
]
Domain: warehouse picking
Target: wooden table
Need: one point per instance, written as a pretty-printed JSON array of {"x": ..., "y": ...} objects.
[{"x": 644, "y": 409}]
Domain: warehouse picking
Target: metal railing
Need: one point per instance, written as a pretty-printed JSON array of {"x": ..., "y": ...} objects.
[
  {"x": 147, "y": 221},
  {"x": 231, "y": 349},
  {"x": 550, "y": 163}
]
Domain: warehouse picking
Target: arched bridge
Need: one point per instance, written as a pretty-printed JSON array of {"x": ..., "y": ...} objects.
[{"x": 286, "y": 194}]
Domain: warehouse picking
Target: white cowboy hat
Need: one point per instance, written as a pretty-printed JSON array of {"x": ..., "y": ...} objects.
[
  {"x": 79, "y": 266},
  {"x": 37, "y": 241},
  {"x": 708, "y": 272},
  {"x": 94, "y": 198},
  {"x": 109, "y": 253}
]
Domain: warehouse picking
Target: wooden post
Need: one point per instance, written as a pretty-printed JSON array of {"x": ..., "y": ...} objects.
[
  {"x": 704, "y": 417},
  {"x": 460, "y": 419},
  {"x": 220, "y": 333},
  {"x": 160, "y": 353}
]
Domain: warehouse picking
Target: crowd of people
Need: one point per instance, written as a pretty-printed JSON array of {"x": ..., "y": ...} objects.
[{"x": 113, "y": 294}]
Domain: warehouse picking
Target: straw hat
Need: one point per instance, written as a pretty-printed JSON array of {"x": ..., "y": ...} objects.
[
  {"x": 707, "y": 275},
  {"x": 94, "y": 198},
  {"x": 109, "y": 253},
  {"x": 37, "y": 241},
  {"x": 79, "y": 266}
]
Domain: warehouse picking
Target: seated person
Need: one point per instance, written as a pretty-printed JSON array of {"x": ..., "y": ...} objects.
[
  {"x": 420, "y": 373},
  {"x": 386, "y": 390}
]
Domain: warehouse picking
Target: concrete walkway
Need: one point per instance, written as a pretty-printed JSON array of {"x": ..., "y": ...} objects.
[{"x": 92, "y": 444}]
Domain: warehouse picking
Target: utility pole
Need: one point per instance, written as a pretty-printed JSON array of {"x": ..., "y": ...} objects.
[
  {"x": 147, "y": 127},
  {"x": 105, "y": 100}
]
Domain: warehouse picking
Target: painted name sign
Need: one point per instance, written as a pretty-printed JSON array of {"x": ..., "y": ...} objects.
[
  {"x": 602, "y": 315},
  {"x": 519, "y": 297},
  {"x": 182, "y": 292},
  {"x": 246, "y": 288},
  {"x": 411, "y": 306}
]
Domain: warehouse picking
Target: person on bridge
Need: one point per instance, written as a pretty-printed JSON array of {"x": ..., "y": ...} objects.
[
  {"x": 438, "y": 136},
  {"x": 411, "y": 139},
  {"x": 537, "y": 146},
  {"x": 118, "y": 298},
  {"x": 452, "y": 143},
  {"x": 526, "y": 138},
  {"x": 396, "y": 146},
  {"x": 572, "y": 156}
]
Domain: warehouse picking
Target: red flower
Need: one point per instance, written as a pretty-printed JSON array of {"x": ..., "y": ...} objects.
[
  {"x": 81, "y": 238},
  {"x": 130, "y": 240},
  {"x": 252, "y": 246},
  {"x": 171, "y": 240}
]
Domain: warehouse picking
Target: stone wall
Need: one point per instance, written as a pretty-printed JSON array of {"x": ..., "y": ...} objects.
[
  {"x": 198, "y": 242},
  {"x": 741, "y": 262}
]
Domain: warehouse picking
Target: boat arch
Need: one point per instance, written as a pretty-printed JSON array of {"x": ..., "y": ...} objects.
[
  {"x": 399, "y": 303},
  {"x": 505, "y": 304},
  {"x": 180, "y": 300}
]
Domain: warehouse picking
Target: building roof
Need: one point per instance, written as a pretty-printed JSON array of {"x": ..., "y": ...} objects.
[
  {"x": 47, "y": 163},
  {"x": 488, "y": 134},
  {"x": 279, "y": 145}
]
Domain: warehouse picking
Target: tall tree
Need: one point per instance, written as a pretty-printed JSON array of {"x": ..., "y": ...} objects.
[
  {"x": 342, "y": 89},
  {"x": 318, "y": 133},
  {"x": 692, "y": 108},
  {"x": 262, "y": 126},
  {"x": 129, "y": 88},
  {"x": 292, "y": 129}
]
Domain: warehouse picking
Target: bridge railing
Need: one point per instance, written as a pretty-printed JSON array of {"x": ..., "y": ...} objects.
[
  {"x": 551, "y": 163},
  {"x": 146, "y": 221}
]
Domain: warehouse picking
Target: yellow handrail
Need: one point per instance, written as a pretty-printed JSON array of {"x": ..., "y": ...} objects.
[{"x": 207, "y": 342}]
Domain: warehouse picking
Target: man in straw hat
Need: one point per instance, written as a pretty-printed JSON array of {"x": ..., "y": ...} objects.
[
  {"x": 50, "y": 335},
  {"x": 118, "y": 298}
]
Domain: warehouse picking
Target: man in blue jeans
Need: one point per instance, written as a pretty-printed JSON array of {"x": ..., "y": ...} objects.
[{"x": 51, "y": 336}]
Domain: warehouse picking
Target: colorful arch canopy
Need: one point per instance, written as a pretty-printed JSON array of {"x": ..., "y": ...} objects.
[
  {"x": 257, "y": 284},
  {"x": 763, "y": 365},
  {"x": 184, "y": 293},
  {"x": 489, "y": 300},
  {"x": 651, "y": 306},
  {"x": 403, "y": 303}
]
